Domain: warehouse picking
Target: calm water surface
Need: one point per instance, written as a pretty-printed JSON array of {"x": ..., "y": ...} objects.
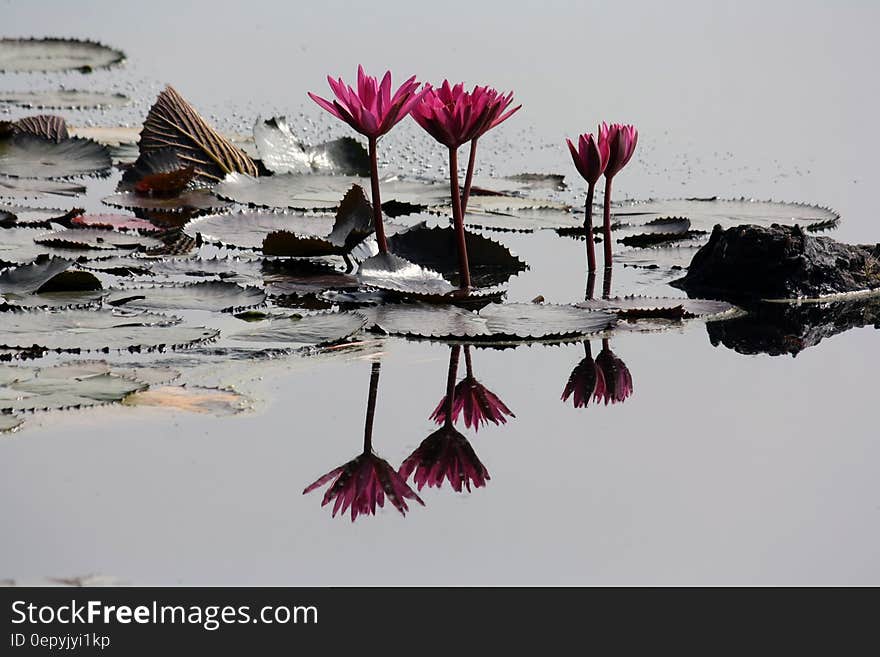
[{"x": 721, "y": 468}]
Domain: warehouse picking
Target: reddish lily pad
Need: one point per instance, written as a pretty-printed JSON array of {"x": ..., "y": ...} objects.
[
  {"x": 114, "y": 222},
  {"x": 158, "y": 173}
]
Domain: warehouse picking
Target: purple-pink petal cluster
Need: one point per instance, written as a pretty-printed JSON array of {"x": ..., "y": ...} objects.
[
  {"x": 591, "y": 154},
  {"x": 362, "y": 484},
  {"x": 622, "y": 140},
  {"x": 479, "y": 405},
  {"x": 371, "y": 110},
  {"x": 586, "y": 380},
  {"x": 445, "y": 454},
  {"x": 454, "y": 116},
  {"x": 617, "y": 378}
]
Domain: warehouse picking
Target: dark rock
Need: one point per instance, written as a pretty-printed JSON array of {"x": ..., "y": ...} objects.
[
  {"x": 778, "y": 262},
  {"x": 789, "y": 328}
]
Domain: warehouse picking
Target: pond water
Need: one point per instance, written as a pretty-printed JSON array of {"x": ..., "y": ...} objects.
[{"x": 720, "y": 468}]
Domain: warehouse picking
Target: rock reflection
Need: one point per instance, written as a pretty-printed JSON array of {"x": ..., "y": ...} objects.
[
  {"x": 788, "y": 328},
  {"x": 446, "y": 454},
  {"x": 363, "y": 483}
]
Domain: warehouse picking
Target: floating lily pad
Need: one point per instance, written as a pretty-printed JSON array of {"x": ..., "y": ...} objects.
[
  {"x": 80, "y": 330},
  {"x": 31, "y": 277},
  {"x": 524, "y": 220},
  {"x": 658, "y": 232},
  {"x": 282, "y": 152},
  {"x": 659, "y": 307},
  {"x": 191, "y": 399},
  {"x": 45, "y": 55},
  {"x": 247, "y": 230},
  {"x": 312, "y": 330},
  {"x": 173, "y": 123},
  {"x": 17, "y": 246},
  {"x": 54, "y": 300},
  {"x": 20, "y": 188},
  {"x": 114, "y": 222},
  {"x": 215, "y": 296},
  {"x": 63, "y": 99},
  {"x": 28, "y": 217},
  {"x": 97, "y": 239},
  {"x": 300, "y": 281},
  {"x": 705, "y": 213},
  {"x": 54, "y": 388},
  {"x": 387, "y": 271},
  {"x": 29, "y": 156},
  {"x": 237, "y": 269},
  {"x": 116, "y": 266},
  {"x": 9, "y": 423},
  {"x": 196, "y": 199},
  {"x": 521, "y": 183},
  {"x": 512, "y": 322},
  {"x": 491, "y": 263}
]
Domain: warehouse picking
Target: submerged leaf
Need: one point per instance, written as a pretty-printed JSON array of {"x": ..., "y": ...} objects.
[
  {"x": 174, "y": 123},
  {"x": 48, "y": 54}
]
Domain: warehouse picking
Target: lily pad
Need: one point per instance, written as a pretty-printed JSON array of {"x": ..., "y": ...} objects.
[
  {"x": 63, "y": 99},
  {"x": 196, "y": 199},
  {"x": 173, "y": 123},
  {"x": 9, "y": 423},
  {"x": 300, "y": 281},
  {"x": 659, "y": 307},
  {"x": 114, "y": 222},
  {"x": 514, "y": 322},
  {"x": 29, "y": 278},
  {"x": 387, "y": 271},
  {"x": 491, "y": 263},
  {"x": 29, "y": 156},
  {"x": 97, "y": 239},
  {"x": 17, "y": 246},
  {"x": 282, "y": 152},
  {"x": 100, "y": 330},
  {"x": 705, "y": 213},
  {"x": 524, "y": 220},
  {"x": 247, "y": 230},
  {"x": 45, "y": 55},
  {"x": 215, "y": 296},
  {"x": 28, "y": 217},
  {"x": 661, "y": 231},
  {"x": 312, "y": 330},
  {"x": 54, "y": 300},
  {"x": 38, "y": 390},
  {"x": 21, "y": 188}
]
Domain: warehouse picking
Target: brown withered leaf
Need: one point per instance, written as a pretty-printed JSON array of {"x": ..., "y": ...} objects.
[{"x": 174, "y": 123}]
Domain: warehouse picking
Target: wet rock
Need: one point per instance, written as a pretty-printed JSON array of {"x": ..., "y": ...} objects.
[{"x": 778, "y": 262}]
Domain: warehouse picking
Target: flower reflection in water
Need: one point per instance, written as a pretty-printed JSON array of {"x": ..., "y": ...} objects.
[
  {"x": 446, "y": 453},
  {"x": 363, "y": 483},
  {"x": 479, "y": 404},
  {"x": 615, "y": 373},
  {"x": 586, "y": 380}
]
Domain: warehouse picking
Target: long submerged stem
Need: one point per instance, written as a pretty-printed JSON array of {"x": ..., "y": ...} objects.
[
  {"x": 464, "y": 272},
  {"x": 454, "y": 353},
  {"x": 377, "y": 201},
  {"x": 607, "y": 222},
  {"x": 469, "y": 177},
  {"x": 588, "y": 227},
  {"x": 371, "y": 408}
]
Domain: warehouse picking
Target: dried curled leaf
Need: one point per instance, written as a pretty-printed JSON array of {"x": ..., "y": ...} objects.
[
  {"x": 47, "y": 126},
  {"x": 174, "y": 123}
]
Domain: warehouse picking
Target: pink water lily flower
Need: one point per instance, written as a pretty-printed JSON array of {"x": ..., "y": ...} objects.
[
  {"x": 470, "y": 397},
  {"x": 585, "y": 381},
  {"x": 590, "y": 158},
  {"x": 617, "y": 377},
  {"x": 372, "y": 110},
  {"x": 454, "y": 117},
  {"x": 622, "y": 140},
  {"x": 363, "y": 483},
  {"x": 445, "y": 455}
]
